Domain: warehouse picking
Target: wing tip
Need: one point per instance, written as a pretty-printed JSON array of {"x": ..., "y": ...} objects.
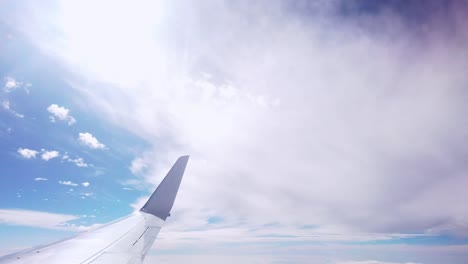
[
  {"x": 184, "y": 157},
  {"x": 161, "y": 201}
]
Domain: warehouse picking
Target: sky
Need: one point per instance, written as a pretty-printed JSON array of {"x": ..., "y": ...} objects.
[{"x": 319, "y": 131}]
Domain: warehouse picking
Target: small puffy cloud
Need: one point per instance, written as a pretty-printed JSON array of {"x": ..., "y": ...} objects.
[
  {"x": 85, "y": 184},
  {"x": 79, "y": 162},
  {"x": 12, "y": 84},
  {"x": 89, "y": 140},
  {"x": 27, "y": 153},
  {"x": 61, "y": 113},
  {"x": 47, "y": 155},
  {"x": 40, "y": 179},
  {"x": 68, "y": 183}
]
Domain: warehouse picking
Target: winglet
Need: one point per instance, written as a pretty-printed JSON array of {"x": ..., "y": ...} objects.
[{"x": 161, "y": 201}]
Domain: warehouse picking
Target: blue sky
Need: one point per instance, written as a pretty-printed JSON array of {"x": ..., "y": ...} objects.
[
  {"x": 319, "y": 132},
  {"x": 26, "y": 124}
]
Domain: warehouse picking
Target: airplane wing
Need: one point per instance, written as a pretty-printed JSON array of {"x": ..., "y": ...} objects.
[{"x": 124, "y": 241}]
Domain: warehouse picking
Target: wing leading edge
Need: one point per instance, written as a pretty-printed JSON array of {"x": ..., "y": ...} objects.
[{"x": 124, "y": 241}]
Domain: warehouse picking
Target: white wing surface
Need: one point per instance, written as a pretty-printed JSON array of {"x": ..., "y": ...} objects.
[{"x": 124, "y": 241}]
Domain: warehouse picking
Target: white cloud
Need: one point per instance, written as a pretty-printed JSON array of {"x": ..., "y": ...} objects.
[
  {"x": 79, "y": 162},
  {"x": 51, "y": 154},
  {"x": 89, "y": 140},
  {"x": 40, "y": 179},
  {"x": 295, "y": 107},
  {"x": 47, "y": 155},
  {"x": 12, "y": 84},
  {"x": 68, "y": 183},
  {"x": 27, "y": 153},
  {"x": 138, "y": 165},
  {"x": 35, "y": 218},
  {"x": 209, "y": 252},
  {"x": 322, "y": 119},
  {"x": 40, "y": 219},
  {"x": 85, "y": 184},
  {"x": 61, "y": 113},
  {"x": 359, "y": 114},
  {"x": 6, "y": 106}
]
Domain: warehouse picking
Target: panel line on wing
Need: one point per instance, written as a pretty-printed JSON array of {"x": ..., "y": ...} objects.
[
  {"x": 88, "y": 260},
  {"x": 141, "y": 236}
]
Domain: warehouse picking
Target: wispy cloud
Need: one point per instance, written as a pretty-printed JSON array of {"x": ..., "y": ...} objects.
[
  {"x": 40, "y": 179},
  {"x": 138, "y": 165},
  {"x": 40, "y": 219},
  {"x": 89, "y": 140},
  {"x": 6, "y": 106},
  {"x": 35, "y": 218},
  {"x": 79, "y": 162},
  {"x": 85, "y": 184},
  {"x": 61, "y": 113},
  {"x": 68, "y": 183},
  {"x": 27, "y": 153}
]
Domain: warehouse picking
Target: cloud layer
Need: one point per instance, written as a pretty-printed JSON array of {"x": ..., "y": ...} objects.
[
  {"x": 348, "y": 119},
  {"x": 320, "y": 118},
  {"x": 41, "y": 219},
  {"x": 35, "y": 218}
]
